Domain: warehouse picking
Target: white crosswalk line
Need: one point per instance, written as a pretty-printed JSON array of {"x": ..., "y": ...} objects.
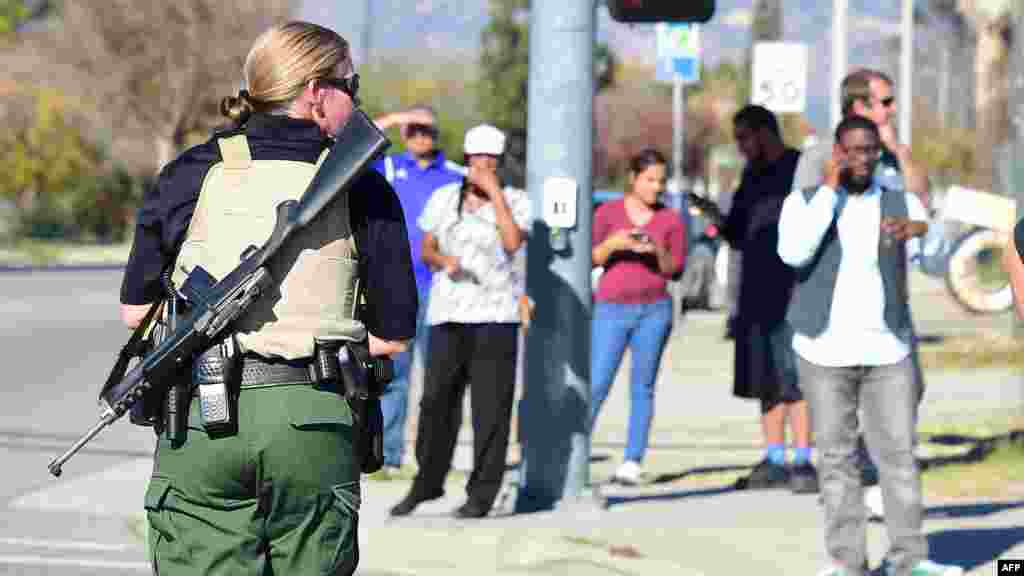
[
  {"x": 78, "y": 562},
  {"x": 64, "y": 544}
]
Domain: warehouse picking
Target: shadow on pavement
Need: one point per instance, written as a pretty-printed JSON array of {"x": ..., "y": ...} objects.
[
  {"x": 639, "y": 494},
  {"x": 620, "y": 499},
  {"x": 971, "y": 510},
  {"x": 673, "y": 476},
  {"x": 981, "y": 447},
  {"x": 972, "y": 547}
]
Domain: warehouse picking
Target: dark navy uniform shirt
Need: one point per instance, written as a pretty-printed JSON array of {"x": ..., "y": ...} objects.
[{"x": 376, "y": 214}]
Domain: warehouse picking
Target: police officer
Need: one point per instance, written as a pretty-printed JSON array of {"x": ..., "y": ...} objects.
[{"x": 280, "y": 493}]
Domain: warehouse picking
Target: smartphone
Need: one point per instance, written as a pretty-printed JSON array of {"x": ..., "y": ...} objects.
[{"x": 640, "y": 236}]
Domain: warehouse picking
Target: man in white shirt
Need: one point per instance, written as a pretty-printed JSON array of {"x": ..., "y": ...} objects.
[
  {"x": 850, "y": 240},
  {"x": 870, "y": 93}
]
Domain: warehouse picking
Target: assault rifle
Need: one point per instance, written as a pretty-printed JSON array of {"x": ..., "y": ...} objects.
[{"x": 357, "y": 145}]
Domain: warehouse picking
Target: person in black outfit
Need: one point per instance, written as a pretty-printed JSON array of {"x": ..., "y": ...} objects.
[{"x": 764, "y": 366}]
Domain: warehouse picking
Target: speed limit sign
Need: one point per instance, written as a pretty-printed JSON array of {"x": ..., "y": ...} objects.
[{"x": 780, "y": 76}]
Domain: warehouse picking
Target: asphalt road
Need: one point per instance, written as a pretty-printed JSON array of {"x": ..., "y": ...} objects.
[{"x": 60, "y": 335}]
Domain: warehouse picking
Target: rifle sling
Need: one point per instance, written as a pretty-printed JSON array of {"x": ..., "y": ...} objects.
[{"x": 134, "y": 346}]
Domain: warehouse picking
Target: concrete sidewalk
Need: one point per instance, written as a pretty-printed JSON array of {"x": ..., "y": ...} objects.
[{"x": 655, "y": 530}]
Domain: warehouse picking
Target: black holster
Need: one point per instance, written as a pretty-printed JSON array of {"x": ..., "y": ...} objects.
[
  {"x": 216, "y": 375},
  {"x": 362, "y": 379}
]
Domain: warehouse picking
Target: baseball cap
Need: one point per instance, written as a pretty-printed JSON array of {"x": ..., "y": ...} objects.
[{"x": 484, "y": 139}]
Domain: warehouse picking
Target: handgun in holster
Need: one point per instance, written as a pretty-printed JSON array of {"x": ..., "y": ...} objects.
[{"x": 362, "y": 379}]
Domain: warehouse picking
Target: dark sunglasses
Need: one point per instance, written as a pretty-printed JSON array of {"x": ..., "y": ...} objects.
[
  {"x": 425, "y": 129},
  {"x": 349, "y": 85}
]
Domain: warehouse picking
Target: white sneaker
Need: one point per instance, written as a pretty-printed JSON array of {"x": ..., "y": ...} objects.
[
  {"x": 928, "y": 568},
  {"x": 628, "y": 473},
  {"x": 873, "y": 501}
]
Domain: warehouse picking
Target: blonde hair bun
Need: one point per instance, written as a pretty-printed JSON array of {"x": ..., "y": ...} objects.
[{"x": 237, "y": 108}]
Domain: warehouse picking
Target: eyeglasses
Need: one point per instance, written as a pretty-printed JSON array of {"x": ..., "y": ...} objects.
[
  {"x": 349, "y": 85},
  {"x": 425, "y": 129},
  {"x": 871, "y": 152}
]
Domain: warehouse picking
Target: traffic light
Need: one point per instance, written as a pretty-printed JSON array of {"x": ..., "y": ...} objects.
[{"x": 661, "y": 10}]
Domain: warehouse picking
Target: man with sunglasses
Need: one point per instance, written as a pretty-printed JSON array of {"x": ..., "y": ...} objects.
[
  {"x": 414, "y": 174},
  {"x": 851, "y": 239},
  {"x": 868, "y": 93}
]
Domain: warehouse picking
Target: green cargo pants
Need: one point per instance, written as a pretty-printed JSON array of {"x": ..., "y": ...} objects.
[{"x": 280, "y": 497}]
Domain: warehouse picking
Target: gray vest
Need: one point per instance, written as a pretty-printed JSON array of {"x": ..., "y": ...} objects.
[{"x": 811, "y": 305}]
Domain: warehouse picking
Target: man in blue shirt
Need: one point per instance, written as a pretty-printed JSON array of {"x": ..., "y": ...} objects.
[{"x": 414, "y": 174}]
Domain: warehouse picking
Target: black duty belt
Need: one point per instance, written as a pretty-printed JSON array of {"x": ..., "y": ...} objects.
[{"x": 259, "y": 372}]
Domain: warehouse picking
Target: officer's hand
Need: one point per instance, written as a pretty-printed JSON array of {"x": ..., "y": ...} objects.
[{"x": 381, "y": 347}]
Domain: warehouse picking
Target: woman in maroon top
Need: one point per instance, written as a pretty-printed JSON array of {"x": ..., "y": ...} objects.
[{"x": 641, "y": 244}]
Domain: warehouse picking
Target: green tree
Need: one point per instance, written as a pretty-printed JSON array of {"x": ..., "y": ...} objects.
[
  {"x": 156, "y": 69},
  {"x": 43, "y": 153},
  {"x": 400, "y": 83},
  {"x": 502, "y": 85},
  {"x": 12, "y": 14},
  {"x": 504, "y": 71}
]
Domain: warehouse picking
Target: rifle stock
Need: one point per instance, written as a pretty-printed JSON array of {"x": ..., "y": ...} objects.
[{"x": 357, "y": 145}]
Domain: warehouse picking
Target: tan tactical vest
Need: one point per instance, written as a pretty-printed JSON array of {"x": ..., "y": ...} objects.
[{"x": 317, "y": 270}]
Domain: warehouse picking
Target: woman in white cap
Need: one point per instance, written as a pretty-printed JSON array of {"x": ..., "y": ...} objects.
[{"x": 473, "y": 231}]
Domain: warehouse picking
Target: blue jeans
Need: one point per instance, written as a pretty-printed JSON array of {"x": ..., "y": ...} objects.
[
  {"x": 645, "y": 329},
  {"x": 394, "y": 403}
]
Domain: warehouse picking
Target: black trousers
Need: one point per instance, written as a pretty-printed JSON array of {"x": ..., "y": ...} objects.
[{"x": 483, "y": 356}]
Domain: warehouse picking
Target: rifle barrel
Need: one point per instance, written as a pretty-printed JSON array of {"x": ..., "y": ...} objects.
[{"x": 108, "y": 418}]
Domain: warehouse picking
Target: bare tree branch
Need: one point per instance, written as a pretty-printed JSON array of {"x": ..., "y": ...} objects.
[{"x": 154, "y": 69}]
